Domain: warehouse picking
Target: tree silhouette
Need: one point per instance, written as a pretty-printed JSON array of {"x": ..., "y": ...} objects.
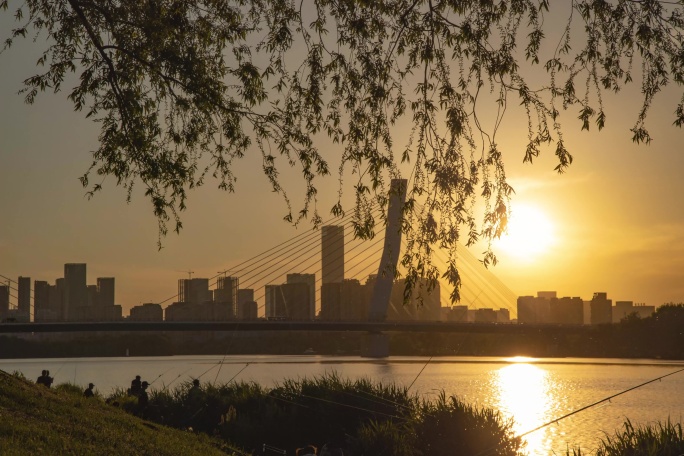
[{"x": 183, "y": 88}]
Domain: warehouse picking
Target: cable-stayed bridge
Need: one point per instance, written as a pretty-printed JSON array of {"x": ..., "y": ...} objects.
[{"x": 349, "y": 259}]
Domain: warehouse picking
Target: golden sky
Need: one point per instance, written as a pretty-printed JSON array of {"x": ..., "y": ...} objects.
[{"x": 616, "y": 216}]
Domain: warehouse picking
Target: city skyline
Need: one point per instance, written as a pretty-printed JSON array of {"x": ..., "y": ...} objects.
[{"x": 227, "y": 291}]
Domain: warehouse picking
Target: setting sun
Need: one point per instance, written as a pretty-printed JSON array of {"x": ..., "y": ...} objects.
[{"x": 529, "y": 233}]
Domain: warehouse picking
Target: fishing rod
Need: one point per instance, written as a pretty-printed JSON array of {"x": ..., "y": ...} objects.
[
  {"x": 421, "y": 371},
  {"x": 599, "y": 402},
  {"x": 179, "y": 376},
  {"x": 606, "y": 399},
  {"x": 233, "y": 377},
  {"x": 160, "y": 375},
  {"x": 220, "y": 366}
]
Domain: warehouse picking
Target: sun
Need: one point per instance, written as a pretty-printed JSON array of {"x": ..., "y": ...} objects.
[{"x": 528, "y": 235}]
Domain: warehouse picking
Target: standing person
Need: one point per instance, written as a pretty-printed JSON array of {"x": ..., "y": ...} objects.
[
  {"x": 89, "y": 391},
  {"x": 136, "y": 386}
]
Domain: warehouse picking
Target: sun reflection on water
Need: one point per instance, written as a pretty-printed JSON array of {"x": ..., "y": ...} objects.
[{"x": 524, "y": 393}]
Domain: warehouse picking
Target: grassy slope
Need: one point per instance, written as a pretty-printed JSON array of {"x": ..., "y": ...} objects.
[{"x": 35, "y": 420}]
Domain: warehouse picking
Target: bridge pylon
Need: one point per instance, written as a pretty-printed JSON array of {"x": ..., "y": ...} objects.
[{"x": 377, "y": 344}]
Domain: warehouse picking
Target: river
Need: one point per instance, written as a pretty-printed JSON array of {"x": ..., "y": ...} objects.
[{"x": 532, "y": 391}]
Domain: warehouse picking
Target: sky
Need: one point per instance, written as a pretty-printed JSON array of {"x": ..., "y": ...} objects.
[{"x": 614, "y": 219}]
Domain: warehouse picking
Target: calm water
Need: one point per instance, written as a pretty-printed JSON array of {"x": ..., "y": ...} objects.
[{"x": 531, "y": 391}]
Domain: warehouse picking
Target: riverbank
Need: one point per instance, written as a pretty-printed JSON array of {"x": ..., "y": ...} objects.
[{"x": 36, "y": 420}]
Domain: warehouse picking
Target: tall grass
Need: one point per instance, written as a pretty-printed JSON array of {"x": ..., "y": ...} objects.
[
  {"x": 660, "y": 439},
  {"x": 361, "y": 416}
]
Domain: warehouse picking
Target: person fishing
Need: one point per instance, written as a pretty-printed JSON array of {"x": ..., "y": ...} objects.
[
  {"x": 136, "y": 386},
  {"x": 143, "y": 399},
  {"x": 89, "y": 391},
  {"x": 42, "y": 380},
  {"x": 45, "y": 379}
]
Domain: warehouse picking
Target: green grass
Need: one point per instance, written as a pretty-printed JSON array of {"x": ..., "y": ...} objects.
[{"x": 36, "y": 420}]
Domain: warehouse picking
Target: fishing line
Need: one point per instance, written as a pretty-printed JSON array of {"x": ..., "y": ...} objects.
[
  {"x": 179, "y": 376},
  {"x": 161, "y": 375},
  {"x": 233, "y": 377},
  {"x": 606, "y": 399},
  {"x": 421, "y": 371},
  {"x": 599, "y": 402}
]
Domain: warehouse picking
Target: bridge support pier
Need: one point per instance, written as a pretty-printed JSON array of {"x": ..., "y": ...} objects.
[{"x": 375, "y": 345}]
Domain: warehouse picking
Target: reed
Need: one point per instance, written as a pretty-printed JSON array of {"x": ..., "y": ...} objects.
[
  {"x": 362, "y": 416},
  {"x": 659, "y": 439}
]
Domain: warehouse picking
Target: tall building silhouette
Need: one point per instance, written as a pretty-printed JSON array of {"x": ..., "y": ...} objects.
[
  {"x": 4, "y": 301},
  {"x": 195, "y": 291},
  {"x": 332, "y": 254},
  {"x": 601, "y": 309},
  {"x": 105, "y": 291},
  {"x": 270, "y": 297},
  {"x": 75, "y": 290},
  {"x": 310, "y": 281},
  {"x": 226, "y": 294},
  {"x": 24, "y": 299}
]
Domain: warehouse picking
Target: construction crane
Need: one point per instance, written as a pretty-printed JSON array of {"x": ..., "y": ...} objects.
[{"x": 189, "y": 273}]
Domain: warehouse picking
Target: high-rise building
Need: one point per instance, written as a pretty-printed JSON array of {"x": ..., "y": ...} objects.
[
  {"x": 295, "y": 301},
  {"x": 601, "y": 309},
  {"x": 226, "y": 294},
  {"x": 75, "y": 290},
  {"x": 535, "y": 309},
  {"x": 105, "y": 291},
  {"x": 24, "y": 299},
  {"x": 271, "y": 300},
  {"x": 195, "y": 291},
  {"x": 353, "y": 302},
  {"x": 332, "y": 254},
  {"x": 248, "y": 310},
  {"x": 41, "y": 293},
  {"x": 567, "y": 311},
  {"x": 4, "y": 302},
  {"x": 331, "y": 306},
  {"x": 93, "y": 298},
  {"x": 310, "y": 281},
  {"x": 245, "y": 295}
]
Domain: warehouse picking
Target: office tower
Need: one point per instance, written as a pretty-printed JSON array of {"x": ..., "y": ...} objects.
[
  {"x": 503, "y": 316},
  {"x": 310, "y": 281},
  {"x": 245, "y": 295},
  {"x": 24, "y": 299},
  {"x": 93, "y": 299},
  {"x": 567, "y": 311},
  {"x": 295, "y": 301},
  {"x": 353, "y": 303},
  {"x": 75, "y": 290},
  {"x": 195, "y": 291},
  {"x": 535, "y": 309},
  {"x": 248, "y": 310},
  {"x": 270, "y": 296},
  {"x": 331, "y": 307},
  {"x": 105, "y": 291},
  {"x": 332, "y": 254},
  {"x": 4, "y": 302},
  {"x": 41, "y": 293},
  {"x": 226, "y": 294},
  {"x": 601, "y": 309}
]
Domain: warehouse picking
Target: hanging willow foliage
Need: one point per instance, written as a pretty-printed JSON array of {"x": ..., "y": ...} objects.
[{"x": 183, "y": 88}]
